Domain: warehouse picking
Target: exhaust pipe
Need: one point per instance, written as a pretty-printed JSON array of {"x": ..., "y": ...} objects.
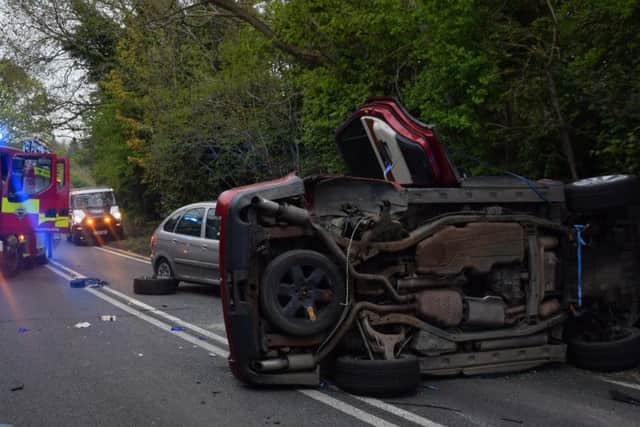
[
  {"x": 287, "y": 213},
  {"x": 293, "y": 362}
]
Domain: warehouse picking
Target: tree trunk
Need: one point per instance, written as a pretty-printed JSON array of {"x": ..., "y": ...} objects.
[{"x": 567, "y": 144}]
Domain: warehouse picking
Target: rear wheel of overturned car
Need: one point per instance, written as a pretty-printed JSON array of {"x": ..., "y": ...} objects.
[
  {"x": 377, "y": 377},
  {"x": 603, "y": 192},
  {"x": 621, "y": 352},
  {"x": 302, "y": 292},
  {"x": 154, "y": 286}
]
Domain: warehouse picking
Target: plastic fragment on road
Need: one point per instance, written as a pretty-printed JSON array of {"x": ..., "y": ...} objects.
[
  {"x": 140, "y": 354},
  {"x": 87, "y": 282},
  {"x": 108, "y": 317},
  {"x": 17, "y": 388},
  {"x": 23, "y": 330},
  {"x": 430, "y": 387},
  {"x": 82, "y": 325},
  {"x": 212, "y": 355},
  {"x": 177, "y": 328}
]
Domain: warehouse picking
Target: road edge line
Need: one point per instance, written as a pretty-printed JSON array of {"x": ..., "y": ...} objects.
[
  {"x": 313, "y": 394},
  {"x": 151, "y": 320}
]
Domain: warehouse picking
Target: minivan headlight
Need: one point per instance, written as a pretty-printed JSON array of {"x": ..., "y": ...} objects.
[
  {"x": 115, "y": 212},
  {"x": 78, "y": 216}
]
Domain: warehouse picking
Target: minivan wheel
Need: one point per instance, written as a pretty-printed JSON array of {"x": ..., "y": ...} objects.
[
  {"x": 301, "y": 292},
  {"x": 163, "y": 269}
]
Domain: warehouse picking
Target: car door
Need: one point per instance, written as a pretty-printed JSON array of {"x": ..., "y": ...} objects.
[
  {"x": 166, "y": 239},
  {"x": 187, "y": 239},
  {"x": 209, "y": 248}
]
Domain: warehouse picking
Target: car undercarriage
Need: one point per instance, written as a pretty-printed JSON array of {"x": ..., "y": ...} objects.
[{"x": 373, "y": 281}]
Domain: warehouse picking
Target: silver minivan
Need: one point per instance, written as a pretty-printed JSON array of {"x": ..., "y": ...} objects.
[{"x": 185, "y": 245}]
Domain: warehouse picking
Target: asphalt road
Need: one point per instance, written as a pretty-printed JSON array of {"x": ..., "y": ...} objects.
[{"x": 137, "y": 371}]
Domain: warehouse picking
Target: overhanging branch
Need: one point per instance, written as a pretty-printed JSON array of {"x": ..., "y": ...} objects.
[{"x": 250, "y": 18}]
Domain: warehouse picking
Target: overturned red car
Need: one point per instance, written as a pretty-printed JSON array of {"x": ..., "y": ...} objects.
[{"x": 407, "y": 268}]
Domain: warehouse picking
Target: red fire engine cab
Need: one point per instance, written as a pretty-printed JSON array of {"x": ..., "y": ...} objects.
[{"x": 34, "y": 207}]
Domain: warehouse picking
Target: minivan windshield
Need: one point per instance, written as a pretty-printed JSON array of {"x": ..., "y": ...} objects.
[{"x": 99, "y": 199}]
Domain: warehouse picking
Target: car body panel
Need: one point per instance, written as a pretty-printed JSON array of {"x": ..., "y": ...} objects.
[
  {"x": 402, "y": 221},
  {"x": 192, "y": 258}
]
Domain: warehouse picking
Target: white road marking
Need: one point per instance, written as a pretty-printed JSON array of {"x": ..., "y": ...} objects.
[
  {"x": 138, "y": 258},
  {"x": 621, "y": 383},
  {"x": 313, "y": 394},
  {"x": 176, "y": 320},
  {"x": 164, "y": 326},
  {"x": 399, "y": 412},
  {"x": 346, "y": 408}
]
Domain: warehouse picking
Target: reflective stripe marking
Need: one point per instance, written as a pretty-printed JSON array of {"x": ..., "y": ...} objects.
[{"x": 31, "y": 206}]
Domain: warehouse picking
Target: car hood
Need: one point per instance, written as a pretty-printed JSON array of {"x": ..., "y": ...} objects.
[{"x": 382, "y": 140}]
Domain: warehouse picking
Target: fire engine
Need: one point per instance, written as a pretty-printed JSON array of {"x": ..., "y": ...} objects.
[{"x": 35, "y": 204}]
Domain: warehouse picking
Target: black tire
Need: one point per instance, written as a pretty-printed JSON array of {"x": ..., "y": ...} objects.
[
  {"x": 75, "y": 239},
  {"x": 377, "y": 377},
  {"x": 302, "y": 292},
  {"x": 151, "y": 286},
  {"x": 603, "y": 192},
  {"x": 41, "y": 259},
  {"x": 606, "y": 356},
  {"x": 10, "y": 257}
]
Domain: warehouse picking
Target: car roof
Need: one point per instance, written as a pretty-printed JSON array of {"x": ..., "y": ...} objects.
[
  {"x": 198, "y": 205},
  {"x": 88, "y": 190}
]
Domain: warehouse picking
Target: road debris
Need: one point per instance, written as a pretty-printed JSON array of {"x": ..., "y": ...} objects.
[
  {"x": 108, "y": 317},
  {"x": 512, "y": 420},
  {"x": 429, "y": 387},
  {"x": 629, "y": 396},
  {"x": 17, "y": 388},
  {"x": 90, "y": 282},
  {"x": 23, "y": 330},
  {"x": 140, "y": 354},
  {"x": 212, "y": 355},
  {"x": 82, "y": 325},
  {"x": 177, "y": 328}
]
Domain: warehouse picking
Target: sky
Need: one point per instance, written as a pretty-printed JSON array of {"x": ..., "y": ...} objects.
[{"x": 63, "y": 77}]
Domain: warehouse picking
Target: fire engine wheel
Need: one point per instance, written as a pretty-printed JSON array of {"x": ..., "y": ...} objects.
[
  {"x": 618, "y": 354},
  {"x": 603, "y": 192},
  {"x": 10, "y": 257},
  {"x": 151, "y": 286},
  {"x": 301, "y": 292},
  {"x": 377, "y": 377}
]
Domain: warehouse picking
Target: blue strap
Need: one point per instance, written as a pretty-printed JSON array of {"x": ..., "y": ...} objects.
[
  {"x": 581, "y": 243},
  {"x": 387, "y": 169},
  {"x": 530, "y": 184}
]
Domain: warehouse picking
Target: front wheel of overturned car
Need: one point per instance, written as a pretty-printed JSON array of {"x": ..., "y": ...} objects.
[
  {"x": 154, "y": 286},
  {"x": 377, "y": 377},
  {"x": 302, "y": 292},
  {"x": 617, "y": 354}
]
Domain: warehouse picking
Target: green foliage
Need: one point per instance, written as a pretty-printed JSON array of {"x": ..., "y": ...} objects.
[
  {"x": 24, "y": 104},
  {"x": 192, "y": 103}
]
